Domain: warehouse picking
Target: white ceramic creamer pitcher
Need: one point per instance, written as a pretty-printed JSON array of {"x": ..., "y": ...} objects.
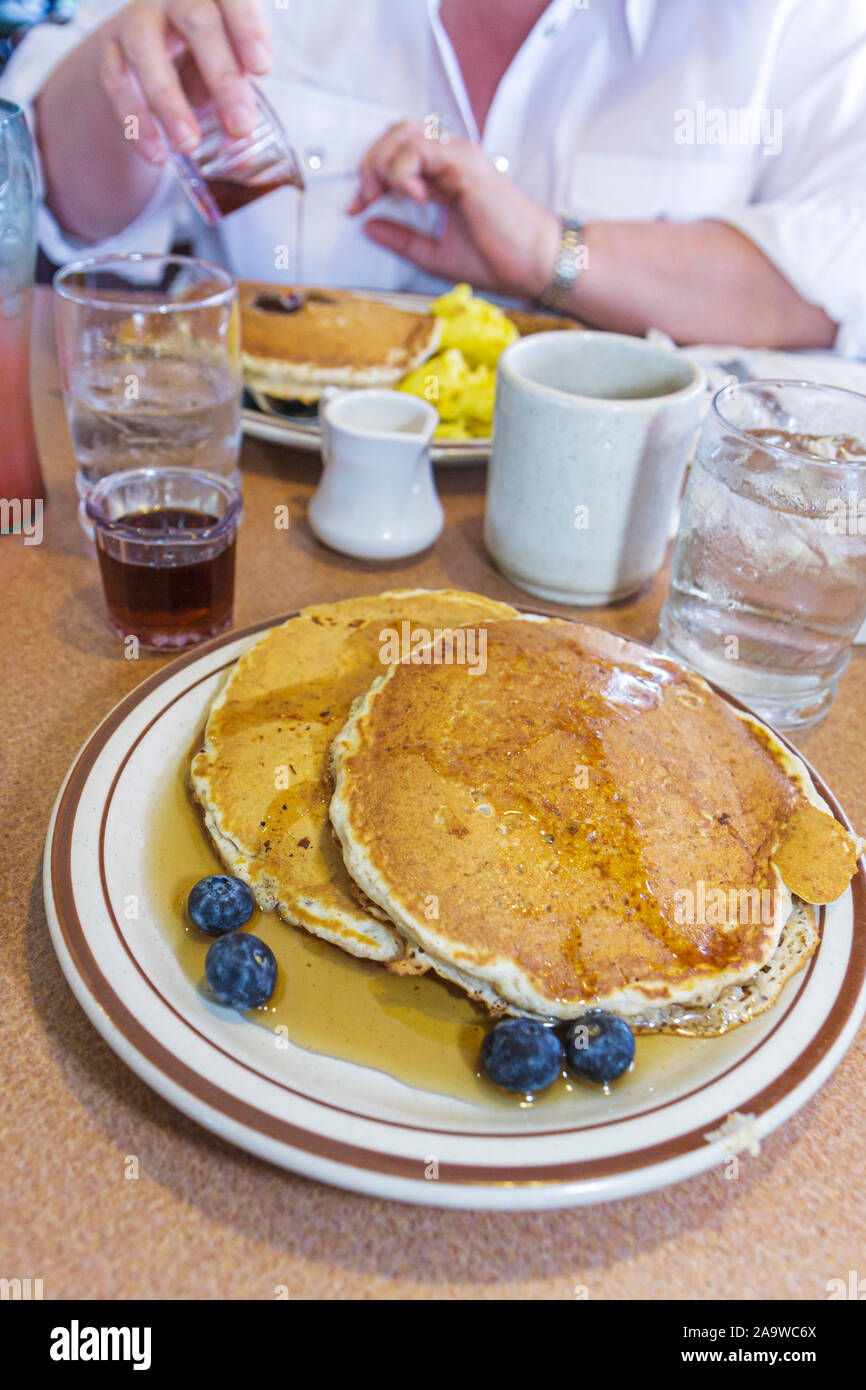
[{"x": 376, "y": 498}]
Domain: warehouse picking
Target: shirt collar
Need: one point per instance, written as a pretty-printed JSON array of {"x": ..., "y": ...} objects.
[{"x": 639, "y": 15}]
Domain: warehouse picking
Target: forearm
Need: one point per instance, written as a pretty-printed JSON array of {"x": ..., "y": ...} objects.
[
  {"x": 697, "y": 281},
  {"x": 95, "y": 184}
]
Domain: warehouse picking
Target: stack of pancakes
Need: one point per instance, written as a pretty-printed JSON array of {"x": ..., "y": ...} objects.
[
  {"x": 298, "y": 342},
  {"x": 548, "y": 816}
]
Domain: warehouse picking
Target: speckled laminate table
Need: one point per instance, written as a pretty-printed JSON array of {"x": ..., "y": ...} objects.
[{"x": 205, "y": 1220}]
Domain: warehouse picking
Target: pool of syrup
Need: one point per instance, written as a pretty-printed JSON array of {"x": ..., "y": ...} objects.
[{"x": 419, "y": 1029}]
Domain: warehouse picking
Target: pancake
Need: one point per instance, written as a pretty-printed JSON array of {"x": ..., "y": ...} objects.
[
  {"x": 562, "y": 814},
  {"x": 738, "y": 1004},
  {"x": 262, "y": 778},
  {"x": 335, "y": 338}
]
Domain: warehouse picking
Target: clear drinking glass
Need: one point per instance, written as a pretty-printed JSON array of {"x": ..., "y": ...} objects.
[
  {"x": 150, "y": 354},
  {"x": 165, "y": 541},
  {"x": 21, "y": 486},
  {"x": 768, "y": 582}
]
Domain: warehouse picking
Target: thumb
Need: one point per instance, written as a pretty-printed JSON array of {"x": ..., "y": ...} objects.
[{"x": 423, "y": 251}]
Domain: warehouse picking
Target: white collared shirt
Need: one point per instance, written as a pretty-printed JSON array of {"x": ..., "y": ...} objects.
[{"x": 750, "y": 111}]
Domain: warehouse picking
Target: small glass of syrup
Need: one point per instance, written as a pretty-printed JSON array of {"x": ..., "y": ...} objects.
[
  {"x": 165, "y": 540},
  {"x": 223, "y": 174}
]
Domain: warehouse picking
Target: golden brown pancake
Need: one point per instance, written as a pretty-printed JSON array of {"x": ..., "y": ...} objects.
[
  {"x": 740, "y": 1003},
  {"x": 263, "y": 777},
  {"x": 594, "y": 826},
  {"x": 335, "y": 339}
]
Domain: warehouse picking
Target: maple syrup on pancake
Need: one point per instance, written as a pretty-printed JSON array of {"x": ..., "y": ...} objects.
[{"x": 418, "y": 1029}]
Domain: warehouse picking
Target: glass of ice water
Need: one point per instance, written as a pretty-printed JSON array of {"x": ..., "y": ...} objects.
[
  {"x": 150, "y": 356},
  {"x": 768, "y": 583}
]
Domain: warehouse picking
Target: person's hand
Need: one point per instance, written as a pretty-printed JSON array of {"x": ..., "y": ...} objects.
[
  {"x": 494, "y": 236},
  {"x": 221, "y": 39}
]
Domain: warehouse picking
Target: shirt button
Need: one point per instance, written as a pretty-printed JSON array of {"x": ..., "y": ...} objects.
[
  {"x": 500, "y": 162},
  {"x": 314, "y": 159}
]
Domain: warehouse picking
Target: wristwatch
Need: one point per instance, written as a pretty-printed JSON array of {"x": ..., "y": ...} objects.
[{"x": 569, "y": 263}]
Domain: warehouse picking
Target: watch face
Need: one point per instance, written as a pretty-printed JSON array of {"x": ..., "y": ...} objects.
[{"x": 570, "y": 260}]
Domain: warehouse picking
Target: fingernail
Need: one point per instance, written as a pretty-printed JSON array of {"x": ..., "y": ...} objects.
[
  {"x": 257, "y": 56},
  {"x": 183, "y": 137},
  {"x": 240, "y": 119}
]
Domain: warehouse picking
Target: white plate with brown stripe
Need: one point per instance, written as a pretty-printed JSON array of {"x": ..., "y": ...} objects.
[{"x": 124, "y": 846}]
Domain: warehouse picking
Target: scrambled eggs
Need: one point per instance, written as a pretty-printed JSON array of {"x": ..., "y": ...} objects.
[{"x": 460, "y": 379}]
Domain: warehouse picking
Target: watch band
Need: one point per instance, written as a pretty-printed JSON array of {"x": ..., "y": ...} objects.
[{"x": 568, "y": 264}]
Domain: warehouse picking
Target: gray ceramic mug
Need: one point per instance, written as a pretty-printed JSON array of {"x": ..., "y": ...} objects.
[{"x": 591, "y": 436}]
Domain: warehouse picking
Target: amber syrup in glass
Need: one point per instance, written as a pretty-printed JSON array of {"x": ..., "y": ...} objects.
[{"x": 153, "y": 594}]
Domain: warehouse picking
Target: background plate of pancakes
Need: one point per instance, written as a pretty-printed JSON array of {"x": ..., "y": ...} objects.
[
  {"x": 295, "y": 424},
  {"x": 358, "y": 1126}
]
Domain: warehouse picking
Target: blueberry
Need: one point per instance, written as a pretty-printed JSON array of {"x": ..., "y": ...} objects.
[
  {"x": 522, "y": 1055},
  {"x": 220, "y": 903},
  {"x": 241, "y": 971},
  {"x": 599, "y": 1047}
]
